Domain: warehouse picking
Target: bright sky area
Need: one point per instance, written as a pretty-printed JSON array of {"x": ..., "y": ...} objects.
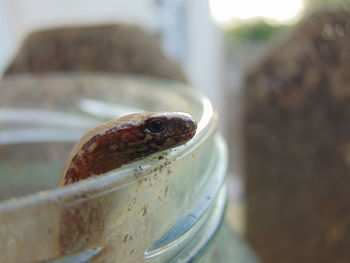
[{"x": 227, "y": 11}]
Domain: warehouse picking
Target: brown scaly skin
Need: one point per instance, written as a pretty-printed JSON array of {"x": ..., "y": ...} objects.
[
  {"x": 108, "y": 147},
  {"x": 125, "y": 139}
]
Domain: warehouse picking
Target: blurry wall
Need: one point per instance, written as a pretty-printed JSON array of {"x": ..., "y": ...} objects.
[
  {"x": 23, "y": 16},
  {"x": 185, "y": 29}
]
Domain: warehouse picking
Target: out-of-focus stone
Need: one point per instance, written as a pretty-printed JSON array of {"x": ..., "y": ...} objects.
[
  {"x": 103, "y": 48},
  {"x": 297, "y": 144}
]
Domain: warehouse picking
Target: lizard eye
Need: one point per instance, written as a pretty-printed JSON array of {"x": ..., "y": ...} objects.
[{"x": 156, "y": 126}]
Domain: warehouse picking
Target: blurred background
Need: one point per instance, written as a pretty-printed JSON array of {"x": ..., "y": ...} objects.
[{"x": 276, "y": 71}]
